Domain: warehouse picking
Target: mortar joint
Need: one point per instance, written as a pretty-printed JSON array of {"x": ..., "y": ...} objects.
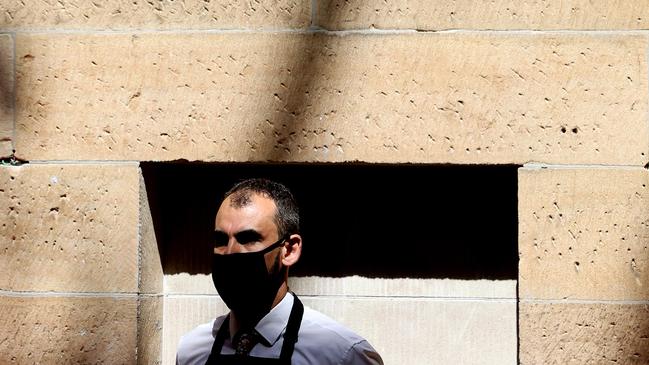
[{"x": 12, "y": 160}]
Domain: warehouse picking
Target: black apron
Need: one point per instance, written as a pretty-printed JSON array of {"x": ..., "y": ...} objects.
[{"x": 290, "y": 338}]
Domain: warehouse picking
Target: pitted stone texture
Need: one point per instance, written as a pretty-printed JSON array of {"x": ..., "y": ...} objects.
[
  {"x": 150, "y": 267},
  {"x": 584, "y": 233},
  {"x": 583, "y": 334},
  {"x": 403, "y": 330},
  {"x": 466, "y": 14},
  {"x": 149, "y": 330},
  {"x": 295, "y": 97},
  {"x": 6, "y": 95},
  {"x": 70, "y": 228},
  {"x": 67, "y": 330},
  {"x": 154, "y": 14}
]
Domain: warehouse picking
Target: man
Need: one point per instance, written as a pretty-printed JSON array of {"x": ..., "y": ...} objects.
[{"x": 256, "y": 241}]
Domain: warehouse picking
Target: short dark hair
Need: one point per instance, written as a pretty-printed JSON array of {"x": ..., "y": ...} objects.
[{"x": 287, "y": 216}]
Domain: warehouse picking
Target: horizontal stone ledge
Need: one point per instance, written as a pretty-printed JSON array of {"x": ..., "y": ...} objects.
[
  {"x": 201, "y": 284},
  {"x": 123, "y": 15},
  {"x": 582, "y": 301},
  {"x": 542, "y": 166},
  {"x": 69, "y": 228},
  {"x": 583, "y": 333},
  {"x": 420, "y": 98},
  {"x": 60, "y": 294},
  {"x": 583, "y": 234},
  {"x": 83, "y": 162},
  {"x": 499, "y": 15}
]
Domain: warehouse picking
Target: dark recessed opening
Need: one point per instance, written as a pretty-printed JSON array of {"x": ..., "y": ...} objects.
[{"x": 372, "y": 220}]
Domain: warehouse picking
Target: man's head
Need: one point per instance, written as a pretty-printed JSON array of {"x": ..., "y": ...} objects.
[
  {"x": 256, "y": 240},
  {"x": 253, "y": 214},
  {"x": 287, "y": 217}
]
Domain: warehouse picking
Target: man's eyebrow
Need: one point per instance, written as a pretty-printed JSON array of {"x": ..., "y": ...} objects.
[
  {"x": 247, "y": 235},
  {"x": 218, "y": 233}
]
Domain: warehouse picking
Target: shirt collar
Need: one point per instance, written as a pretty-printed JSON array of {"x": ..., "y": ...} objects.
[{"x": 271, "y": 326}]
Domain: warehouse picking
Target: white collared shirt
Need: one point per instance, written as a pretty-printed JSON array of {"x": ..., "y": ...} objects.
[{"x": 321, "y": 340}]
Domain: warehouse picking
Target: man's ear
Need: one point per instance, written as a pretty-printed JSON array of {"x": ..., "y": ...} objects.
[{"x": 292, "y": 251}]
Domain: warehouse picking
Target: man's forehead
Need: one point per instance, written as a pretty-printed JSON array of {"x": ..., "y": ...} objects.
[
  {"x": 259, "y": 211},
  {"x": 243, "y": 198}
]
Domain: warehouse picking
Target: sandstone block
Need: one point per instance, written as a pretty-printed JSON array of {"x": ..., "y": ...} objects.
[
  {"x": 296, "y": 97},
  {"x": 443, "y": 332},
  {"x": 149, "y": 330},
  {"x": 126, "y": 14},
  {"x": 6, "y": 95},
  {"x": 584, "y": 233},
  {"x": 466, "y": 14},
  {"x": 150, "y": 267},
  {"x": 70, "y": 228},
  {"x": 584, "y": 333},
  {"x": 68, "y": 330}
]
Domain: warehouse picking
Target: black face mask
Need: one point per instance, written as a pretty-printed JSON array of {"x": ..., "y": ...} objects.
[{"x": 244, "y": 283}]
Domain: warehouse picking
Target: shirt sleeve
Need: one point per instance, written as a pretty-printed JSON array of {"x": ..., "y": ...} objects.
[
  {"x": 178, "y": 351},
  {"x": 362, "y": 353}
]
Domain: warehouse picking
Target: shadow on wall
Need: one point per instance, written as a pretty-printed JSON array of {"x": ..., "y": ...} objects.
[{"x": 390, "y": 221}]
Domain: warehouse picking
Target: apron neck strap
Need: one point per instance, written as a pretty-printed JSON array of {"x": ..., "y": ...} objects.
[
  {"x": 224, "y": 331},
  {"x": 290, "y": 335},
  {"x": 292, "y": 329}
]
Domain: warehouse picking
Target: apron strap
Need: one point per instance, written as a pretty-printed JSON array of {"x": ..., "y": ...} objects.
[
  {"x": 292, "y": 329},
  {"x": 290, "y": 335},
  {"x": 223, "y": 332}
]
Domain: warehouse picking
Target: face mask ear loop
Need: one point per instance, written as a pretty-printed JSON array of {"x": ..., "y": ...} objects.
[{"x": 274, "y": 245}]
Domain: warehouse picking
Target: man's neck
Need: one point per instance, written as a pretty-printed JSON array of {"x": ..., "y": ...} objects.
[{"x": 237, "y": 323}]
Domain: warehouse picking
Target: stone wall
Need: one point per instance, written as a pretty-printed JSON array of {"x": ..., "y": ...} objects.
[{"x": 89, "y": 90}]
